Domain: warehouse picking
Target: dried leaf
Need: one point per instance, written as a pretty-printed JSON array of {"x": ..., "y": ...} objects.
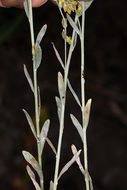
[
  {"x": 41, "y": 34},
  {"x": 51, "y": 185},
  {"x": 74, "y": 151},
  {"x": 67, "y": 166},
  {"x": 44, "y": 133},
  {"x": 77, "y": 125},
  {"x": 38, "y": 55},
  {"x": 61, "y": 86},
  {"x": 30, "y": 123},
  {"x": 32, "y": 176},
  {"x": 28, "y": 78},
  {"x": 33, "y": 162},
  {"x": 87, "y": 112},
  {"x": 58, "y": 102},
  {"x": 74, "y": 26},
  {"x": 26, "y": 8}
]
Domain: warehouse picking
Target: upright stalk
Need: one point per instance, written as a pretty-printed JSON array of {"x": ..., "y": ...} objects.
[
  {"x": 66, "y": 71},
  {"x": 35, "y": 88},
  {"x": 83, "y": 96}
]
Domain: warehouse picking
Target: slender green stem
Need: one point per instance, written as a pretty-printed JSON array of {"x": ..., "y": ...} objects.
[
  {"x": 35, "y": 89},
  {"x": 63, "y": 113},
  {"x": 83, "y": 96}
]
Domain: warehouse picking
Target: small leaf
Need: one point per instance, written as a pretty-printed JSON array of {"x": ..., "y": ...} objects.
[
  {"x": 74, "y": 151},
  {"x": 67, "y": 166},
  {"x": 41, "y": 34},
  {"x": 26, "y": 8},
  {"x": 58, "y": 102},
  {"x": 61, "y": 86},
  {"x": 30, "y": 123},
  {"x": 44, "y": 133},
  {"x": 33, "y": 162},
  {"x": 75, "y": 41},
  {"x": 87, "y": 112},
  {"x": 28, "y": 78},
  {"x": 74, "y": 26},
  {"x": 32, "y": 176},
  {"x": 77, "y": 125},
  {"x": 51, "y": 145},
  {"x": 87, "y": 3},
  {"x": 51, "y": 185},
  {"x": 38, "y": 55},
  {"x": 74, "y": 94},
  {"x": 58, "y": 56}
]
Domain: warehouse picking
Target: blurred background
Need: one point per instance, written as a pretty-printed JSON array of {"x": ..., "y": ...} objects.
[{"x": 106, "y": 84}]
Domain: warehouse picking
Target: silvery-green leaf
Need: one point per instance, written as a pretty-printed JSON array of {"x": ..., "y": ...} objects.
[
  {"x": 28, "y": 78},
  {"x": 58, "y": 102},
  {"x": 86, "y": 3},
  {"x": 51, "y": 185},
  {"x": 26, "y": 9},
  {"x": 33, "y": 162},
  {"x": 77, "y": 125},
  {"x": 74, "y": 94},
  {"x": 32, "y": 176},
  {"x": 41, "y": 34},
  {"x": 39, "y": 101},
  {"x": 38, "y": 55},
  {"x": 44, "y": 133},
  {"x": 30, "y": 123},
  {"x": 87, "y": 112},
  {"x": 61, "y": 87},
  {"x": 74, "y": 26},
  {"x": 58, "y": 56},
  {"x": 67, "y": 166},
  {"x": 75, "y": 41},
  {"x": 74, "y": 151}
]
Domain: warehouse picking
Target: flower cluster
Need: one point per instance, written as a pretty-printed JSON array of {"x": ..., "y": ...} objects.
[{"x": 70, "y": 6}]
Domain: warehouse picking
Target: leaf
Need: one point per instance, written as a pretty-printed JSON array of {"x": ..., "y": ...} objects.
[
  {"x": 28, "y": 78},
  {"x": 87, "y": 112},
  {"x": 77, "y": 125},
  {"x": 32, "y": 176},
  {"x": 74, "y": 94},
  {"x": 44, "y": 133},
  {"x": 61, "y": 86},
  {"x": 39, "y": 102},
  {"x": 74, "y": 151},
  {"x": 33, "y": 162},
  {"x": 26, "y": 8},
  {"x": 67, "y": 166},
  {"x": 41, "y": 34},
  {"x": 87, "y": 4},
  {"x": 74, "y": 26},
  {"x": 51, "y": 185},
  {"x": 58, "y": 56},
  {"x": 30, "y": 123},
  {"x": 38, "y": 55},
  {"x": 75, "y": 41},
  {"x": 58, "y": 102},
  {"x": 51, "y": 145}
]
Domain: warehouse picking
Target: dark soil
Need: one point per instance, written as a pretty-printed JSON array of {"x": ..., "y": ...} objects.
[{"x": 106, "y": 84}]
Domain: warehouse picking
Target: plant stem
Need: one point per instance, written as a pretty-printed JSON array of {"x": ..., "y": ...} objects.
[
  {"x": 35, "y": 90},
  {"x": 83, "y": 96},
  {"x": 66, "y": 71}
]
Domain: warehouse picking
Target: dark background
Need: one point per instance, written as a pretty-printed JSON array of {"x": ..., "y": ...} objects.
[{"x": 106, "y": 84}]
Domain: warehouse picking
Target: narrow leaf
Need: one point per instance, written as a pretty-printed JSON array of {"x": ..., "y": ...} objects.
[
  {"x": 75, "y": 41},
  {"x": 41, "y": 34},
  {"x": 26, "y": 8},
  {"x": 74, "y": 26},
  {"x": 87, "y": 3},
  {"x": 58, "y": 102},
  {"x": 67, "y": 166},
  {"x": 87, "y": 112},
  {"x": 32, "y": 176},
  {"x": 44, "y": 133},
  {"x": 61, "y": 86},
  {"x": 28, "y": 78},
  {"x": 74, "y": 151},
  {"x": 74, "y": 94},
  {"x": 51, "y": 185},
  {"x": 51, "y": 145},
  {"x": 38, "y": 55},
  {"x": 77, "y": 125},
  {"x": 58, "y": 56},
  {"x": 30, "y": 123}
]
